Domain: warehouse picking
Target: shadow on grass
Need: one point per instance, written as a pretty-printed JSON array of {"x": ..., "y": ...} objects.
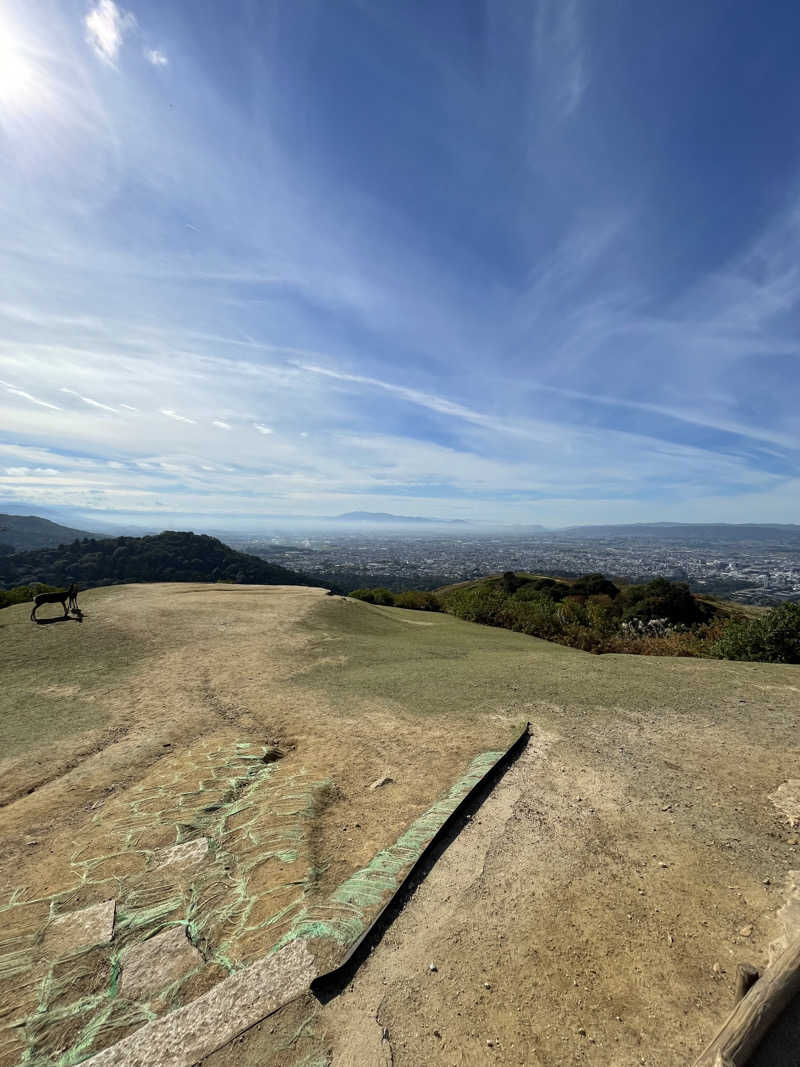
[{"x": 75, "y": 616}]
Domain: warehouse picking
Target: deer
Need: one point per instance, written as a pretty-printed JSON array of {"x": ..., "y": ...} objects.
[{"x": 68, "y": 599}]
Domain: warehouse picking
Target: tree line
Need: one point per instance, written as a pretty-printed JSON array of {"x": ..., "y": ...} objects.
[{"x": 171, "y": 556}]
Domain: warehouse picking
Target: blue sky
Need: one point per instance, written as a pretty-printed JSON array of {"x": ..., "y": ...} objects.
[{"x": 524, "y": 262}]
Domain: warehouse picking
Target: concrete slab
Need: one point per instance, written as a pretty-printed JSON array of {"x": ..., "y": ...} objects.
[
  {"x": 79, "y": 929},
  {"x": 186, "y": 1036},
  {"x": 151, "y": 966},
  {"x": 185, "y": 855}
]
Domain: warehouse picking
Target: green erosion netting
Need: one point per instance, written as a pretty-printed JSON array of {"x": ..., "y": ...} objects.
[
  {"x": 214, "y": 840},
  {"x": 234, "y": 884},
  {"x": 354, "y": 904}
]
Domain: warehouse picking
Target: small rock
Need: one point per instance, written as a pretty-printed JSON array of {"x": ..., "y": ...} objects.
[
  {"x": 716, "y": 968},
  {"x": 745, "y": 931},
  {"x": 490, "y": 1044},
  {"x": 664, "y": 865},
  {"x": 432, "y": 967},
  {"x": 437, "y": 1033},
  {"x": 486, "y": 985},
  {"x": 385, "y": 1033},
  {"x": 31, "y": 841},
  {"x": 582, "y": 1031},
  {"x": 766, "y": 882},
  {"x": 379, "y": 782},
  {"x": 670, "y": 939}
]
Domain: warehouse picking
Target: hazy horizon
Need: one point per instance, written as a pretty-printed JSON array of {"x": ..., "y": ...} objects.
[
  {"x": 267, "y": 525},
  {"x": 532, "y": 263}
]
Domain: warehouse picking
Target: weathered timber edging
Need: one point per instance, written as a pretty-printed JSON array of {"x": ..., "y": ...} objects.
[{"x": 748, "y": 1023}]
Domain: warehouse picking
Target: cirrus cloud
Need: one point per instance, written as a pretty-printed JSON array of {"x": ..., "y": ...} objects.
[{"x": 106, "y": 26}]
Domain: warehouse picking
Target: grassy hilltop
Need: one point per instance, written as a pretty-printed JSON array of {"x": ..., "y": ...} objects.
[{"x": 636, "y": 838}]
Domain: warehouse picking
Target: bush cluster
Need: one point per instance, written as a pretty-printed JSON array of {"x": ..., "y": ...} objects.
[
  {"x": 590, "y": 613},
  {"x": 22, "y": 594},
  {"x": 773, "y": 637},
  {"x": 657, "y": 618},
  {"x": 414, "y": 599}
]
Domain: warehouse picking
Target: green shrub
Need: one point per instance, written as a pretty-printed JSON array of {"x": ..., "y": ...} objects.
[
  {"x": 374, "y": 596},
  {"x": 594, "y": 585},
  {"x": 21, "y": 594},
  {"x": 481, "y": 603},
  {"x": 771, "y": 638},
  {"x": 512, "y": 582},
  {"x": 539, "y": 587},
  {"x": 417, "y": 600},
  {"x": 662, "y": 599}
]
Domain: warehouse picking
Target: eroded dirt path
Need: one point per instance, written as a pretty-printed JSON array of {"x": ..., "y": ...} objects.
[{"x": 592, "y": 912}]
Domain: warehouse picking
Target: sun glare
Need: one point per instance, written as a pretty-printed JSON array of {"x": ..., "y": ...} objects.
[{"x": 18, "y": 79}]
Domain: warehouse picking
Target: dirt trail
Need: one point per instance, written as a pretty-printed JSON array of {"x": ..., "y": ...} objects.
[
  {"x": 560, "y": 933},
  {"x": 592, "y": 912}
]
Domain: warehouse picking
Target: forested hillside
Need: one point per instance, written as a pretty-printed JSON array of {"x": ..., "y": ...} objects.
[
  {"x": 24, "y": 533},
  {"x": 166, "y": 557}
]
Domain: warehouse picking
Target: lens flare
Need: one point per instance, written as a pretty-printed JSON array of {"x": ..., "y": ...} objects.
[{"x": 21, "y": 86}]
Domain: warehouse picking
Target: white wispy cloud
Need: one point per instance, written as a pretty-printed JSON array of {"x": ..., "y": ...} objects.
[
  {"x": 29, "y": 396},
  {"x": 431, "y": 401},
  {"x": 560, "y": 54},
  {"x": 262, "y": 429},
  {"x": 156, "y": 57},
  {"x": 106, "y": 25},
  {"x": 88, "y": 400},
  {"x": 174, "y": 415},
  {"x": 220, "y": 424}
]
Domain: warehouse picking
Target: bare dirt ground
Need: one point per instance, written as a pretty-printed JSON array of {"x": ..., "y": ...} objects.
[
  {"x": 130, "y": 733},
  {"x": 593, "y": 911},
  {"x": 153, "y": 668}
]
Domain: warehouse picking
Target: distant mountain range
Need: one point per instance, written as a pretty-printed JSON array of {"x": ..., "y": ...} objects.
[
  {"x": 395, "y": 520},
  {"x": 717, "y": 533},
  {"x": 26, "y": 532}
]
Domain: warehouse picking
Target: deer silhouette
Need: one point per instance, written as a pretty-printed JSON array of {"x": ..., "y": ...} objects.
[{"x": 68, "y": 599}]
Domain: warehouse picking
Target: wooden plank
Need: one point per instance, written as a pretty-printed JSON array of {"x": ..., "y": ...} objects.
[
  {"x": 755, "y": 1013},
  {"x": 746, "y": 977}
]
